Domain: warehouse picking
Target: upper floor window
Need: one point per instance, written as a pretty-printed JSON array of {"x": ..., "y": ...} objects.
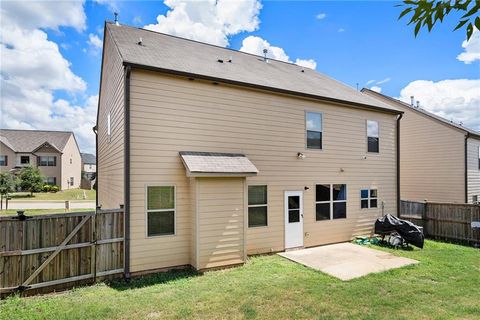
[
  {"x": 368, "y": 198},
  {"x": 372, "y": 136},
  {"x": 330, "y": 201},
  {"x": 3, "y": 161},
  {"x": 24, "y": 159},
  {"x": 313, "y": 125},
  {"x": 257, "y": 206},
  {"x": 47, "y": 161},
  {"x": 160, "y": 210}
]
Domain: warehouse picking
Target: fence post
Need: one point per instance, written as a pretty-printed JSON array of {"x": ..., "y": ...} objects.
[
  {"x": 425, "y": 218},
  {"x": 93, "y": 253}
]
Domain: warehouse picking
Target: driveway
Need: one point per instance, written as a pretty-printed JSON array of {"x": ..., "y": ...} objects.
[
  {"x": 347, "y": 261},
  {"x": 50, "y": 204}
]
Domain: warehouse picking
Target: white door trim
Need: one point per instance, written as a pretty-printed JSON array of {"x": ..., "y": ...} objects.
[{"x": 293, "y": 230}]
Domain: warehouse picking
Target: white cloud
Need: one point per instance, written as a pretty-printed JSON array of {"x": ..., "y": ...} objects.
[
  {"x": 376, "y": 89},
  {"x": 383, "y": 81},
  {"x": 32, "y": 69},
  {"x": 210, "y": 21},
  {"x": 341, "y": 30},
  {"x": 370, "y": 82},
  {"x": 255, "y": 45},
  {"x": 321, "y": 16},
  {"x": 43, "y": 14},
  {"x": 309, "y": 63},
  {"x": 95, "y": 43},
  {"x": 457, "y": 100},
  {"x": 472, "y": 48}
]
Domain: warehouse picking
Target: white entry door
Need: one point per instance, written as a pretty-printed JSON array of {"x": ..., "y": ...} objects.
[{"x": 293, "y": 219}]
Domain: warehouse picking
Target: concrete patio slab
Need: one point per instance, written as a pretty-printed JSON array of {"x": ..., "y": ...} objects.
[{"x": 347, "y": 261}]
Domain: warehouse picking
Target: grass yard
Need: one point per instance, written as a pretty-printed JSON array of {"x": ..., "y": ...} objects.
[
  {"x": 33, "y": 212},
  {"x": 72, "y": 194},
  {"x": 445, "y": 285}
]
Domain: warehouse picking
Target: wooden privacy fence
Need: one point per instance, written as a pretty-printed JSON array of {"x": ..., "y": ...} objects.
[
  {"x": 46, "y": 251},
  {"x": 450, "y": 221}
]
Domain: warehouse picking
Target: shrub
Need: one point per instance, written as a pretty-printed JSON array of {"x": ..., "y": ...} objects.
[
  {"x": 54, "y": 189},
  {"x": 47, "y": 188}
]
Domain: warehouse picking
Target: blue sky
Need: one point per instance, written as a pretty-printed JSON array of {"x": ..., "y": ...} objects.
[{"x": 353, "y": 42}]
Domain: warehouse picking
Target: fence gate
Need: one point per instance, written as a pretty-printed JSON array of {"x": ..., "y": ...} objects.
[{"x": 51, "y": 250}]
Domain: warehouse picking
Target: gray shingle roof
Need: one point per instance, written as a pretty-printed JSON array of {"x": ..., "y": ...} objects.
[
  {"x": 89, "y": 158},
  {"x": 217, "y": 164},
  {"x": 182, "y": 56},
  {"x": 402, "y": 104},
  {"x": 30, "y": 140}
]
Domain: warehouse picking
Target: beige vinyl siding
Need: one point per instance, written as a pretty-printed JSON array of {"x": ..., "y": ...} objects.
[
  {"x": 473, "y": 173},
  {"x": 431, "y": 160},
  {"x": 170, "y": 114},
  {"x": 220, "y": 222},
  {"x": 110, "y": 171},
  {"x": 432, "y": 157},
  {"x": 74, "y": 169}
]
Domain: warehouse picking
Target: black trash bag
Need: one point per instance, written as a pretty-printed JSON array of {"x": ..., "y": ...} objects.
[{"x": 409, "y": 231}]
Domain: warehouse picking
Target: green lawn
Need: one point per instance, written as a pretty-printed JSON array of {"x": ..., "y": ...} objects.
[
  {"x": 445, "y": 285},
  {"x": 72, "y": 194},
  {"x": 33, "y": 212}
]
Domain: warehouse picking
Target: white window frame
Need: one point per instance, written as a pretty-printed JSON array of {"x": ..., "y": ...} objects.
[
  {"x": 368, "y": 198},
  {"x": 331, "y": 201},
  {"x": 257, "y": 205},
  {"x": 161, "y": 210},
  {"x": 306, "y": 129},
  {"x": 109, "y": 127},
  {"x": 378, "y": 135},
  {"x": 53, "y": 181}
]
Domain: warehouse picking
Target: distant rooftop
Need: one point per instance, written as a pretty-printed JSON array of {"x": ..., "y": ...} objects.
[
  {"x": 89, "y": 158},
  {"x": 174, "y": 55},
  {"x": 425, "y": 112},
  {"x": 30, "y": 140}
]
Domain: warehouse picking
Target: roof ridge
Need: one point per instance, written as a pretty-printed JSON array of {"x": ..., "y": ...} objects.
[
  {"x": 203, "y": 43},
  {"x": 59, "y": 131}
]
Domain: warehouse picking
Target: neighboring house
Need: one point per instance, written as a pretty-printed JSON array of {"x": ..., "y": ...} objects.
[
  {"x": 89, "y": 163},
  {"x": 55, "y": 153},
  {"x": 439, "y": 159},
  {"x": 217, "y": 154},
  {"x": 89, "y": 171}
]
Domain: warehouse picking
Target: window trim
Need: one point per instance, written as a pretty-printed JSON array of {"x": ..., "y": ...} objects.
[
  {"x": 331, "y": 201},
  {"x": 368, "y": 198},
  {"x": 39, "y": 159},
  {"x": 51, "y": 184},
  {"x": 257, "y": 205},
  {"x": 161, "y": 210},
  {"x": 306, "y": 131},
  {"x": 367, "y": 136}
]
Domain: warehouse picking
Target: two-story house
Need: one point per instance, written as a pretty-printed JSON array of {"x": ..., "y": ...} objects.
[
  {"x": 217, "y": 154},
  {"x": 439, "y": 159},
  {"x": 55, "y": 153}
]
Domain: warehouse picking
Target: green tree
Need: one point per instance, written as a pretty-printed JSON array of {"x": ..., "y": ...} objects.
[
  {"x": 426, "y": 13},
  {"x": 31, "y": 179},
  {"x": 7, "y": 184}
]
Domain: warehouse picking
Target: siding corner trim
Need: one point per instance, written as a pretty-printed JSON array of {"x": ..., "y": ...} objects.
[{"x": 127, "y": 71}]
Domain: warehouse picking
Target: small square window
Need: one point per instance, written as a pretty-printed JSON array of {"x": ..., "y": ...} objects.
[
  {"x": 368, "y": 198},
  {"x": 24, "y": 159}
]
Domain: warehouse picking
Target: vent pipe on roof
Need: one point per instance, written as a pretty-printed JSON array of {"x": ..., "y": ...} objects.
[
  {"x": 265, "y": 51},
  {"x": 412, "y": 100},
  {"x": 116, "y": 18},
  {"x": 418, "y": 104}
]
